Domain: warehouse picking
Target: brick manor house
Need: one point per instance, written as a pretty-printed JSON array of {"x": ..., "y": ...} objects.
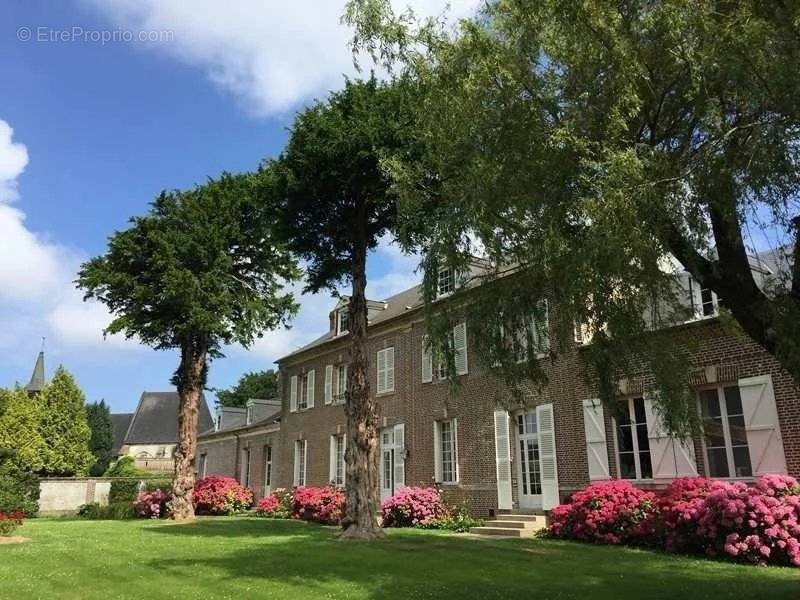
[{"x": 471, "y": 447}]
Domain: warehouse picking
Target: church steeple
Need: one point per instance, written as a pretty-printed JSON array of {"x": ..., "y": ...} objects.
[{"x": 37, "y": 378}]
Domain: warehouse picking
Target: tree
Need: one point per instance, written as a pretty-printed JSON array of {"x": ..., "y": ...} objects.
[
  {"x": 201, "y": 270},
  {"x": 102, "y": 441},
  {"x": 263, "y": 385},
  {"x": 586, "y": 143},
  {"x": 19, "y": 429},
  {"x": 338, "y": 203},
  {"x": 63, "y": 427}
]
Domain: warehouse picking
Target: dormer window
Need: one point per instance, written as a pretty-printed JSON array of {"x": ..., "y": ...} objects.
[
  {"x": 445, "y": 282},
  {"x": 342, "y": 321}
]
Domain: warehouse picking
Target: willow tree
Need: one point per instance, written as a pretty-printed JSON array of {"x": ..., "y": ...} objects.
[
  {"x": 338, "y": 202},
  {"x": 591, "y": 143},
  {"x": 201, "y": 270}
]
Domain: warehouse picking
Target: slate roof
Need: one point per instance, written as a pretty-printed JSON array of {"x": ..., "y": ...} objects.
[
  {"x": 119, "y": 425},
  {"x": 269, "y": 420},
  {"x": 156, "y": 419},
  {"x": 37, "y": 382}
]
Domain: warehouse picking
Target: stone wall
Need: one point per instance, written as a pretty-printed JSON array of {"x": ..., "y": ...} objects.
[{"x": 63, "y": 496}]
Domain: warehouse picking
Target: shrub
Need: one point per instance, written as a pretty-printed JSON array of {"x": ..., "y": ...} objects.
[
  {"x": 759, "y": 524},
  {"x": 115, "y": 512},
  {"x": 270, "y": 507},
  {"x": 612, "y": 512},
  {"x": 412, "y": 506},
  {"x": 455, "y": 518},
  {"x": 124, "y": 467},
  {"x": 19, "y": 490},
  {"x": 9, "y": 521},
  {"x": 218, "y": 495},
  {"x": 152, "y": 505},
  {"x": 318, "y": 504},
  {"x": 151, "y": 485},
  {"x": 124, "y": 490},
  {"x": 675, "y": 520}
]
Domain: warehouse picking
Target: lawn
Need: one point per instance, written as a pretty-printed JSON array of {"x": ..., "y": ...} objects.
[{"x": 246, "y": 558}]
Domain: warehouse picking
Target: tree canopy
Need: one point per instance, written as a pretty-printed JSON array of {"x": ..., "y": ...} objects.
[
  {"x": 586, "y": 144},
  {"x": 101, "y": 442},
  {"x": 19, "y": 429},
  {"x": 261, "y": 384},
  {"x": 204, "y": 268}
]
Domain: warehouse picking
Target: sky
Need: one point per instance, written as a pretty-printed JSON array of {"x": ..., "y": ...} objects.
[{"x": 105, "y": 103}]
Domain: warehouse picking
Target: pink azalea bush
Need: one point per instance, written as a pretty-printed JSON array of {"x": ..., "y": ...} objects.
[
  {"x": 611, "y": 512},
  {"x": 218, "y": 495},
  {"x": 152, "y": 505},
  {"x": 271, "y": 507},
  {"x": 319, "y": 504},
  {"x": 759, "y": 523},
  {"x": 412, "y": 506}
]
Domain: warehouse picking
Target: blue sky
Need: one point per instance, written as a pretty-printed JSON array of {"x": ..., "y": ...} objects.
[{"x": 90, "y": 132}]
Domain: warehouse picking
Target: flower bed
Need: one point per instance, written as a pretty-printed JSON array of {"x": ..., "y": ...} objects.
[
  {"x": 217, "y": 495},
  {"x": 318, "y": 504},
  {"x": 412, "y": 506},
  {"x": 9, "y": 521},
  {"x": 758, "y": 523}
]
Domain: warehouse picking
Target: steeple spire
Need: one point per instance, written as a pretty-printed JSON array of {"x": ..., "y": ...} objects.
[{"x": 37, "y": 378}]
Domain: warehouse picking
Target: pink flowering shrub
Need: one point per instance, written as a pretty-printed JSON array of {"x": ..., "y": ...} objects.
[
  {"x": 319, "y": 504},
  {"x": 759, "y": 524},
  {"x": 152, "y": 505},
  {"x": 611, "y": 512},
  {"x": 218, "y": 495},
  {"x": 412, "y": 506},
  {"x": 677, "y": 508},
  {"x": 271, "y": 507}
]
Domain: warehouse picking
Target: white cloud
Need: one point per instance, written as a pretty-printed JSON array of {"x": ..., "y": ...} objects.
[
  {"x": 37, "y": 296},
  {"x": 272, "y": 54}
]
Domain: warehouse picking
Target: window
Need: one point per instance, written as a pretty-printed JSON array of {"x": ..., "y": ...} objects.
[
  {"x": 341, "y": 383},
  {"x": 708, "y": 300},
  {"x": 535, "y": 332},
  {"x": 385, "y": 370},
  {"x": 457, "y": 340},
  {"x": 633, "y": 443},
  {"x": 445, "y": 282},
  {"x": 203, "y": 465},
  {"x": 440, "y": 368},
  {"x": 342, "y": 320},
  {"x": 249, "y": 418},
  {"x": 306, "y": 397},
  {"x": 244, "y": 477},
  {"x": 267, "y": 468},
  {"x": 446, "y": 459},
  {"x": 300, "y": 447},
  {"x": 727, "y": 452},
  {"x": 337, "y": 469}
]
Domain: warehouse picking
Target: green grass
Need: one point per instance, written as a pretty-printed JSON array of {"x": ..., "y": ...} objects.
[{"x": 246, "y": 558}]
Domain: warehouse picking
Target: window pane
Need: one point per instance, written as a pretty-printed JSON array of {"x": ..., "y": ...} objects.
[
  {"x": 624, "y": 418},
  {"x": 738, "y": 432},
  {"x": 733, "y": 400},
  {"x": 641, "y": 438},
  {"x": 741, "y": 461},
  {"x": 718, "y": 462},
  {"x": 627, "y": 465},
  {"x": 646, "y": 465},
  {"x": 709, "y": 401},
  {"x": 625, "y": 439},
  {"x": 638, "y": 410},
  {"x": 713, "y": 431},
  {"x": 520, "y": 424},
  {"x": 530, "y": 423}
]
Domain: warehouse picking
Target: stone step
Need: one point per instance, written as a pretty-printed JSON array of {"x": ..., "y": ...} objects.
[
  {"x": 501, "y": 531},
  {"x": 507, "y": 523},
  {"x": 520, "y": 517}
]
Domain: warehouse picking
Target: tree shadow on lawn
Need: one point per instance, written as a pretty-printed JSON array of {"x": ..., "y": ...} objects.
[{"x": 308, "y": 561}]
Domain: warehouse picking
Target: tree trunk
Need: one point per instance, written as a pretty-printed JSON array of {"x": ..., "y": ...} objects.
[
  {"x": 361, "y": 455},
  {"x": 190, "y": 380}
]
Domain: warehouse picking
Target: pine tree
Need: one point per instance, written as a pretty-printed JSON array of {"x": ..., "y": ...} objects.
[
  {"x": 64, "y": 427},
  {"x": 102, "y": 440},
  {"x": 19, "y": 428}
]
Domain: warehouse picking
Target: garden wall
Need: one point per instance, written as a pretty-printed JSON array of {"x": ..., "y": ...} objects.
[{"x": 63, "y": 495}]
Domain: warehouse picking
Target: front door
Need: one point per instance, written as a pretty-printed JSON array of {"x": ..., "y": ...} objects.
[
  {"x": 387, "y": 463},
  {"x": 530, "y": 479}
]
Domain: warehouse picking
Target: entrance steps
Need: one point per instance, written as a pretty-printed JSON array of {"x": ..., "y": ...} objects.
[{"x": 512, "y": 524}]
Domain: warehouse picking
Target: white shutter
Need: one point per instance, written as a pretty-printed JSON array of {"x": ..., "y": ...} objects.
[
  {"x": 427, "y": 361},
  {"x": 399, "y": 456},
  {"x": 310, "y": 389},
  {"x": 293, "y": 394},
  {"x": 596, "y": 450},
  {"x": 381, "y": 371},
  {"x": 455, "y": 448},
  {"x": 547, "y": 455},
  {"x": 761, "y": 424},
  {"x": 502, "y": 451},
  {"x": 460, "y": 348},
  {"x": 332, "y": 460},
  {"x": 328, "y": 384},
  {"x": 305, "y": 462},
  {"x": 437, "y": 457},
  {"x": 389, "y": 365},
  {"x": 670, "y": 457}
]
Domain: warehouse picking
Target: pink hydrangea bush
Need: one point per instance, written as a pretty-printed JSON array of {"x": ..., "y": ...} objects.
[
  {"x": 319, "y": 504},
  {"x": 612, "y": 512},
  {"x": 758, "y": 524},
  {"x": 412, "y": 506},
  {"x": 271, "y": 507},
  {"x": 218, "y": 495},
  {"x": 677, "y": 508},
  {"x": 152, "y": 505}
]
